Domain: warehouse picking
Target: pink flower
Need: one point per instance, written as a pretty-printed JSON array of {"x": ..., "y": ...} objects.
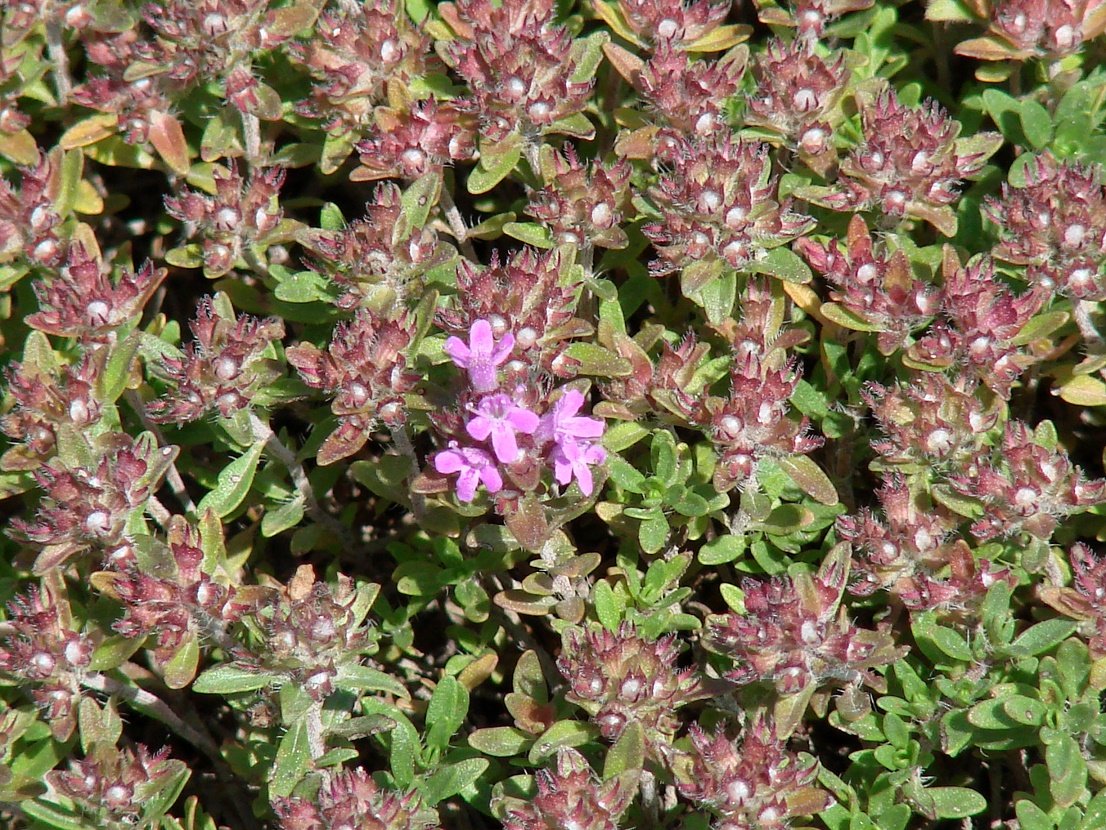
[
  {"x": 563, "y": 424},
  {"x": 573, "y": 436},
  {"x": 475, "y": 467},
  {"x": 573, "y": 459},
  {"x": 481, "y": 355},
  {"x": 500, "y": 418}
]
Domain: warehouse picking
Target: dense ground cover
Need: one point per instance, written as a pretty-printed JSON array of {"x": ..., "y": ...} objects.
[{"x": 565, "y": 415}]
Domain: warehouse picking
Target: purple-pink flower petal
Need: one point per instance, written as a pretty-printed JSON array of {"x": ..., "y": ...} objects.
[
  {"x": 481, "y": 355},
  {"x": 500, "y": 418},
  {"x": 473, "y": 466}
]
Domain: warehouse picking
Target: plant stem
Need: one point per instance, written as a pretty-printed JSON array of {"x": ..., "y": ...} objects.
[
  {"x": 402, "y": 442},
  {"x": 456, "y": 223},
  {"x": 1092, "y": 337},
  {"x": 59, "y": 60},
  {"x": 263, "y": 432},
  {"x": 173, "y": 476}
]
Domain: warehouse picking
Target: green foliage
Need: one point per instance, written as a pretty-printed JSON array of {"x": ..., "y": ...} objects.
[{"x": 552, "y": 413}]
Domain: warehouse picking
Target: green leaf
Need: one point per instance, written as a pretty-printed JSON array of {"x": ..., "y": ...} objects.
[
  {"x": 496, "y": 163},
  {"x": 625, "y": 475},
  {"x": 653, "y": 533},
  {"x": 1042, "y": 637},
  {"x": 500, "y": 741},
  {"x": 368, "y": 679},
  {"x": 1027, "y": 711},
  {"x": 717, "y": 297},
  {"x": 530, "y": 232},
  {"x": 451, "y": 779},
  {"x": 608, "y": 608},
  {"x": 733, "y": 597},
  {"x": 563, "y": 733},
  {"x": 898, "y": 735},
  {"x": 446, "y": 712},
  {"x": 1036, "y": 124},
  {"x": 227, "y": 680},
  {"x": 951, "y": 643},
  {"x": 113, "y": 381},
  {"x": 955, "y": 802},
  {"x": 662, "y": 452},
  {"x": 234, "y": 483},
  {"x": 1067, "y": 770},
  {"x": 810, "y": 478},
  {"x": 54, "y": 815},
  {"x": 786, "y": 519},
  {"x": 628, "y": 752},
  {"x": 964, "y": 506},
  {"x": 847, "y": 318},
  {"x": 596, "y": 361},
  {"x": 421, "y": 197},
  {"x": 1040, "y": 326},
  {"x": 784, "y": 264},
  {"x": 723, "y": 549},
  {"x": 285, "y": 516},
  {"x": 622, "y": 436},
  {"x": 1031, "y": 817},
  {"x": 293, "y": 759}
]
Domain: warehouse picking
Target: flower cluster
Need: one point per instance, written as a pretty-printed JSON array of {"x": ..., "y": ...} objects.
[
  {"x": 571, "y": 796},
  {"x": 980, "y": 316},
  {"x": 141, "y": 109},
  {"x": 507, "y": 429},
  {"x": 798, "y": 99},
  {"x": 422, "y": 137},
  {"x": 719, "y": 202},
  {"x": 582, "y": 206},
  {"x": 221, "y": 369},
  {"x": 752, "y": 421},
  {"x": 45, "y": 401},
  {"x": 519, "y": 64},
  {"x": 660, "y": 22},
  {"x": 913, "y": 557},
  {"x": 932, "y": 423},
  {"x": 113, "y": 786},
  {"x": 87, "y": 507},
  {"x": 311, "y": 630},
  {"x": 877, "y": 289},
  {"x": 808, "y": 17},
  {"x": 795, "y": 634},
  {"x": 366, "y": 368},
  {"x": 909, "y": 162},
  {"x": 1024, "y": 29},
  {"x": 620, "y": 678},
  {"x": 1085, "y": 600},
  {"x": 83, "y": 301},
  {"x": 1033, "y": 488},
  {"x": 379, "y": 260},
  {"x": 358, "y": 50},
  {"x": 241, "y": 214},
  {"x": 199, "y": 42},
  {"x": 689, "y": 94},
  {"x": 179, "y": 609},
  {"x": 28, "y": 214},
  {"x": 40, "y": 646},
  {"x": 534, "y": 295},
  {"x": 1055, "y": 226},
  {"x": 350, "y": 798},
  {"x": 754, "y": 782}
]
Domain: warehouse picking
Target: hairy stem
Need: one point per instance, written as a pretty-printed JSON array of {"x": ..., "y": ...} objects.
[
  {"x": 402, "y": 442},
  {"x": 173, "y": 476},
  {"x": 456, "y": 223},
  {"x": 55, "y": 47},
  {"x": 263, "y": 432}
]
